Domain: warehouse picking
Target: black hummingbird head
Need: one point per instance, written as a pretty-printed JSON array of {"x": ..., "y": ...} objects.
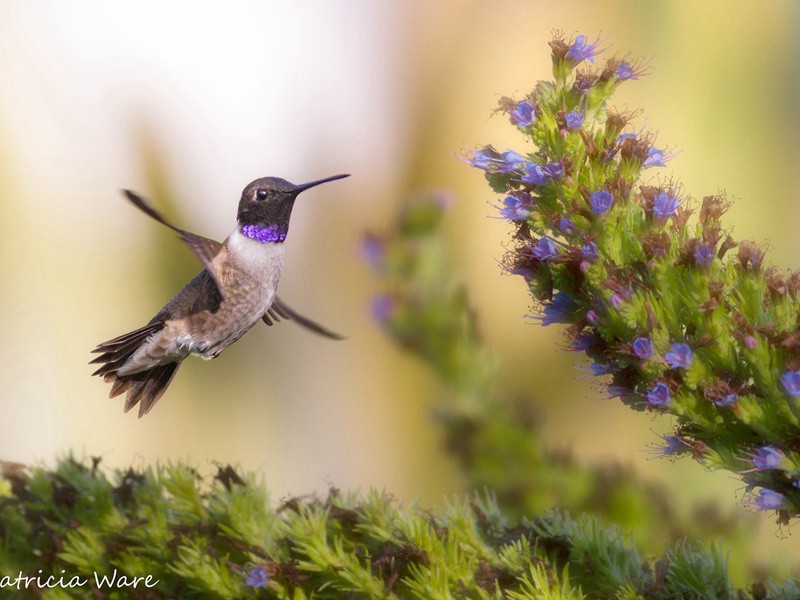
[{"x": 268, "y": 202}]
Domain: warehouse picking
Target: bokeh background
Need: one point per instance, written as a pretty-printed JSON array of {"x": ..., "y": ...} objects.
[{"x": 186, "y": 103}]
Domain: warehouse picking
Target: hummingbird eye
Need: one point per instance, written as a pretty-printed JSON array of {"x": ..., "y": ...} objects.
[{"x": 261, "y": 194}]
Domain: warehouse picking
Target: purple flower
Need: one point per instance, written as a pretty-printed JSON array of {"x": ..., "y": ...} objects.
[
  {"x": 664, "y": 205},
  {"x": 791, "y": 382},
  {"x": 592, "y": 317},
  {"x": 750, "y": 342},
  {"x": 642, "y": 347},
  {"x": 589, "y": 251},
  {"x": 729, "y": 400},
  {"x": 514, "y": 209},
  {"x": 372, "y": 250},
  {"x": 524, "y": 272},
  {"x": 704, "y": 255},
  {"x": 600, "y": 202},
  {"x": 625, "y": 71},
  {"x": 672, "y": 445},
  {"x": 554, "y": 170},
  {"x": 524, "y": 114},
  {"x": 681, "y": 356},
  {"x": 580, "y": 50},
  {"x": 659, "y": 395},
  {"x": 545, "y": 249},
  {"x": 257, "y": 577},
  {"x": 616, "y": 301},
  {"x": 625, "y": 136},
  {"x": 574, "y": 119},
  {"x": 383, "y": 306},
  {"x": 481, "y": 159},
  {"x": 511, "y": 161},
  {"x": 583, "y": 342},
  {"x": 655, "y": 158},
  {"x": 767, "y": 458},
  {"x": 598, "y": 369},
  {"x": 558, "y": 309},
  {"x": 566, "y": 225},
  {"x": 769, "y": 500},
  {"x": 534, "y": 174}
]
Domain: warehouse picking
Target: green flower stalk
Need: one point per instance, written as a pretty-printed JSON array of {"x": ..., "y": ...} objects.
[
  {"x": 495, "y": 437},
  {"x": 682, "y": 319}
]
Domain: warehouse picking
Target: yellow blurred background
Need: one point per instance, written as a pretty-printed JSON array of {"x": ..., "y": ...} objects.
[{"x": 186, "y": 103}]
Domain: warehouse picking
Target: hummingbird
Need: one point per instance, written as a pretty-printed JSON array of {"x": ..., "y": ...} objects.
[{"x": 234, "y": 291}]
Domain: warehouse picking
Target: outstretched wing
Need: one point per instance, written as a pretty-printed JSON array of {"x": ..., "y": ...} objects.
[
  {"x": 204, "y": 248},
  {"x": 279, "y": 310}
]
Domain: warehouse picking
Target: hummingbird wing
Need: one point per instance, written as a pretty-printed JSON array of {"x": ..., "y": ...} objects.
[
  {"x": 204, "y": 248},
  {"x": 279, "y": 309}
]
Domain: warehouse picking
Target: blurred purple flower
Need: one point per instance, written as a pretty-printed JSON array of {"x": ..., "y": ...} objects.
[
  {"x": 592, "y": 317},
  {"x": 769, "y": 500},
  {"x": 704, "y": 255},
  {"x": 664, "y": 205},
  {"x": 729, "y": 400},
  {"x": 558, "y": 309},
  {"x": 566, "y": 225},
  {"x": 524, "y": 114},
  {"x": 574, "y": 119},
  {"x": 598, "y": 369},
  {"x": 589, "y": 251},
  {"x": 655, "y": 158},
  {"x": 373, "y": 250},
  {"x": 514, "y": 209},
  {"x": 680, "y": 356},
  {"x": 600, "y": 202},
  {"x": 580, "y": 50},
  {"x": 767, "y": 458},
  {"x": 642, "y": 347},
  {"x": 554, "y": 170},
  {"x": 534, "y": 174},
  {"x": 510, "y": 161},
  {"x": 257, "y": 577},
  {"x": 481, "y": 159},
  {"x": 383, "y": 306},
  {"x": 750, "y": 342},
  {"x": 791, "y": 382},
  {"x": 545, "y": 249},
  {"x": 659, "y": 395},
  {"x": 625, "y": 71}
]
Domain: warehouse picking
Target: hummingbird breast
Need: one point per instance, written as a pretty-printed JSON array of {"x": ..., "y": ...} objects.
[{"x": 200, "y": 320}]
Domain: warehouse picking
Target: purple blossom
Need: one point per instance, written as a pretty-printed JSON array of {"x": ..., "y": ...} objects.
[
  {"x": 583, "y": 342},
  {"x": 510, "y": 161},
  {"x": 704, "y": 255},
  {"x": 373, "y": 250},
  {"x": 534, "y": 174},
  {"x": 383, "y": 307},
  {"x": 659, "y": 395},
  {"x": 566, "y": 225},
  {"x": 545, "y": 249},
  {"x": 655, "y": 158},
  {"x": 625, "y": 71},
  {"x": 592, "y": 317},
  {"x": 642, "y": 348},
  {"x": 672, "y": 445},
  {"x": 664, "y": 205},
  {"x": 598, "y": 369},
  {"x": 750, "y": 342},
  {"x": 767, "y": 458},
  {"x": 574, "y": 119},
  {"x": 481, "y": 159},
  {"x": 580, "y": 50},
  {"x": 769, "y": 500},
  {"x": 680, "y": 356},
  {"x": 514, "y": 209},
  {"x": 791, "y": 382},
  {"x": 625, "y": 136},
  {"x": 589, "y": 251},
  {"x": 257, "y": 577},
  {"x": 558, "y": 309},
  {"x": 524, "y": 272},
  {"x": 600, "y": 202},
  {"x": 729, "y": 400},
  {"x": 617, "y": 301},
  {"x": 524, "y": 114},
  {"x": 554, "y": 170}
]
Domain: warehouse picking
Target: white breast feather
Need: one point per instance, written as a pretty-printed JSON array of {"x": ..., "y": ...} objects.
[{"x": 254, "y": 257}]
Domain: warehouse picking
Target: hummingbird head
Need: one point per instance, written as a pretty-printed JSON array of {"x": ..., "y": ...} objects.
[{"x": 266, "y": 206}]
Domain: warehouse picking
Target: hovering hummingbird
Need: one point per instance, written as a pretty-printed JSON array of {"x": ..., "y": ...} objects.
[{"x": 232, "y": 293}]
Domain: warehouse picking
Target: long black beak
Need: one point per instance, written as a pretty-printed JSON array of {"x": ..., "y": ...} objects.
[{"x": 304, "y": 186}]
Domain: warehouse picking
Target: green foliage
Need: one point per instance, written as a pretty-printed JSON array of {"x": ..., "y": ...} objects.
[{"x": 201, "y": 538}]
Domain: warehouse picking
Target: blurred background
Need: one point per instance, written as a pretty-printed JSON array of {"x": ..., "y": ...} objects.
[{"x": 188, "y": 106}]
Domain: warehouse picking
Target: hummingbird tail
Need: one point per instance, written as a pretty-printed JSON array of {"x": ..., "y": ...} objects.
[{"x": 143, "y": 388}]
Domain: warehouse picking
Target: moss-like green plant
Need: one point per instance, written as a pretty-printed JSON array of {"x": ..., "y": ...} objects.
[{"x": 652, "y": 295}]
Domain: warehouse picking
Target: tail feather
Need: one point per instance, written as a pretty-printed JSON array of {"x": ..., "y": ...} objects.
[{"x": 143, "y": 388}]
